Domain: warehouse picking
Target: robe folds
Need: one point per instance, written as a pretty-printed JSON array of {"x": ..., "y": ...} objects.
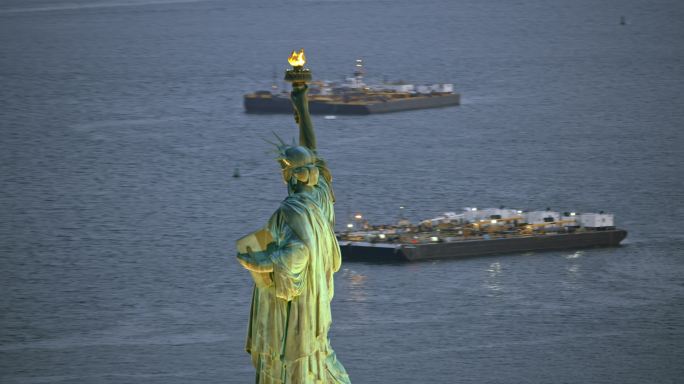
[{"x": 290, "y": 319}]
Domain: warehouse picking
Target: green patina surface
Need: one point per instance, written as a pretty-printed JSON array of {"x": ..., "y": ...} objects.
[{"x": 290, "y": 315}]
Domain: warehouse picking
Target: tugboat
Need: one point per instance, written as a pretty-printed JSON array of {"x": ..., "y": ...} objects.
[
  {"x": 355, "y": 97},
  {"x": 474, "y": 232}
]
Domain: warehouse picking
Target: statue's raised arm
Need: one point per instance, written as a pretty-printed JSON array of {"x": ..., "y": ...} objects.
[
  {"x": 300, "y": 102},
  {"x": 307, "y": 137}
]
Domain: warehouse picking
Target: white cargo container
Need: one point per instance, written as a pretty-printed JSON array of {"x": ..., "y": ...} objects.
[
  {"x": 471, "y": 214},
  {"x": 507, "y": 213},
  {"x": 454, "y": 217},
  {"x": 445, "y": 218},
  {"x": 541, "y": 217},
  {"x": 446, "y": 88},
  {"x": 474, "y": 214},
  {"x": 423, "y": 89},
  {"x": 596, "y": 220},
  {"x": 399, "y": 87},
  {"x": 487, "y": 213},
  {"x": 571, "y": 219}
]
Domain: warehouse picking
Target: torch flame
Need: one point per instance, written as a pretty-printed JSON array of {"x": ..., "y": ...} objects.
[{"x": 297, "y": 59}]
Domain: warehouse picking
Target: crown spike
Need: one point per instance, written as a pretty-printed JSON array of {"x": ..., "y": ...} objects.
[{"x": 278, "y": 137}]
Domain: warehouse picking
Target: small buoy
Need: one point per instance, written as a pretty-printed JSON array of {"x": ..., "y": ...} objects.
[{"x": 236, "y": 172}]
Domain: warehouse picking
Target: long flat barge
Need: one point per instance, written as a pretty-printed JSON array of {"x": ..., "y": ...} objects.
[
  {"x": 355, "y": 97},
  {"x": 400, "y": 252},
  {"x": 477, "y": 232}
]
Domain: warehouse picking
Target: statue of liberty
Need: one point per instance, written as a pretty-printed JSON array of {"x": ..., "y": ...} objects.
[{"x": 293, "y": 259}]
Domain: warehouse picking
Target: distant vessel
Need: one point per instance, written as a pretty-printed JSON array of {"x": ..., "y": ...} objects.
[
  {"x": 355, "y": 97},
  {"x": 476, "y": 232}
]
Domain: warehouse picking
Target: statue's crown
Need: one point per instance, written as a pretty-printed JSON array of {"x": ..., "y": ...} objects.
[{"x": 291, "y": 156}]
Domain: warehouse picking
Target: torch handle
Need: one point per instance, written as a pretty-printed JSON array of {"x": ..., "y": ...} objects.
[{"x": 300, "y": 102}]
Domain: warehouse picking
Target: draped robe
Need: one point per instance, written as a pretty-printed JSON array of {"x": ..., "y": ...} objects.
[{"x": 290, "y": 319}]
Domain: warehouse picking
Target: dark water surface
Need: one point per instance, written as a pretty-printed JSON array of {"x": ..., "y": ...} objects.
[{"x": 122, "y": 123}]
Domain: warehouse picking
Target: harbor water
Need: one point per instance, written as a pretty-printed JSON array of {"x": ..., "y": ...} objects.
[{"x": 122, "y": 124}]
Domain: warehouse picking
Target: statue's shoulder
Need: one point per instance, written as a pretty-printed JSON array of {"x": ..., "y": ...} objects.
[
  {"x": 292, "y": 204},
  {"x": 290, "y": 209}
]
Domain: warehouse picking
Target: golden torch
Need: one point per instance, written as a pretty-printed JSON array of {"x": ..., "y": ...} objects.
[{"x": 298, "y": 75}]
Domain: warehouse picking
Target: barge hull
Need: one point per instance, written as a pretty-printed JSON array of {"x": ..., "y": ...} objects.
[
  {"x": 357, "y": 251},
  {"x": 267, "y": 105},
  {"x": 415, "y": 103}
]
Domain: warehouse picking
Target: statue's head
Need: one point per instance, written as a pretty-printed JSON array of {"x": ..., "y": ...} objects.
[{"x": 299, "y": 165}]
